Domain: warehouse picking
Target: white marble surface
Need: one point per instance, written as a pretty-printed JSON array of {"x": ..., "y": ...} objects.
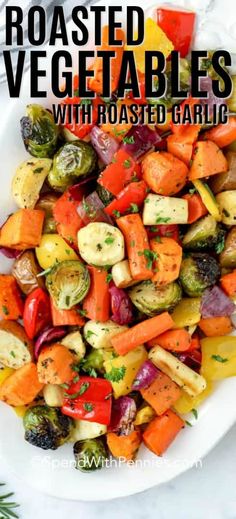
[{"x": 197, "y": 494}]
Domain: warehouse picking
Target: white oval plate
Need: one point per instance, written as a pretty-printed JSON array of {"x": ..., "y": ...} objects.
[{"x": 52, "y": 472}]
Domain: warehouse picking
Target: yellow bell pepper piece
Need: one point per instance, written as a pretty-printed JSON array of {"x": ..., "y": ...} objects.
[
  {"x": 186, "y": 403},
  {"x": 4, "y": 374},
  {"x": 208, "y": 199},
  {"x": 187, "y": 312},
  {"x": 154, "y": 39},
  {"x": 131, "y": 362},
  {"x": 218, "y": 357},
  {"x": 20, "y": 410},
  {"x": 144, "y": 415}
]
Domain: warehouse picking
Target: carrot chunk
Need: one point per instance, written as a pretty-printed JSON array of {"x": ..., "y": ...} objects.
[
  {"x": 22, "y": 386},
  {"x": 161, "y": 432},
  {"x": 162, "y": 393}
]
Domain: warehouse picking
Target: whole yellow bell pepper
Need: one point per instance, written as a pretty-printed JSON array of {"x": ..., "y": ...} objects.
[
  {"x": 131, "y": 362},
  {"x": 218, "y": 357},
  {"x": 186, "y": 403},
  {"x": 187, "y": 312},
  {"x": 154, "y": 39}
]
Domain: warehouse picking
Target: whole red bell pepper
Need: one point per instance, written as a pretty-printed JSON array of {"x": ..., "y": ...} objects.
[
  {"x": 164, "y": 231},
  {"x": 122, "y": 170},
  {"x": 37, "y": 312},
  {"x": 178, "y": 26},
  {"x": 129, "y": 199},
  {"x": 89, "y": 399}
]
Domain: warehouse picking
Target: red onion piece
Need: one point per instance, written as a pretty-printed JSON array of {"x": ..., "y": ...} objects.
[
  {"x": 104, "y": 144},
  {"x": 49, "y": 334},
  {"x": 123, "y": 413},
  {"x": 192, "y": 359},
  {"x": 10, "y": 253},
  {"x": 145, "y": 376},
  {"x": 144, "y": 139},
  {"x": 215, "y": 303},
  {"x": 78, "y": 190},
  {"x": 122, "y": 310},
  {"x": 91, "y": 209},
  {"x": 206, "y": 84}
]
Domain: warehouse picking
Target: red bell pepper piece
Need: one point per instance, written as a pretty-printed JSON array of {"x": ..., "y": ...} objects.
[
  {"x": 67, "y": 218},
  {"x": 37, "y": 312},
  {"x": 89, "y": 399},
  {"x": 120, "y": 172},
  {"x": 167, "y": 231},
  {"x": 178, "y": 26},
  {"x": 131, "y": 196}
]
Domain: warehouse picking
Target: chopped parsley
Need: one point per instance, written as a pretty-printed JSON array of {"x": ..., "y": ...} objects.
[
  {"x": 12, "y": 353},
  {"x": 81, "y": 312},
  {"x": 89, "y": 334},
  {"x": 149, "y": 255},
  {"x": 64, "y": 386},
  {"x": 88, "y": 406},
  {"x": 132, "y": 243},
  {"x": 195, "y": 413},
  {"x": 83, "y": 388},
  {"x": 91, "y": 372},
  {"x": 5, "y": 310},
  {"x": 162, "y": 219},
  {"x": 188, "y": 423},
  {"x": 220, "y": 245},
  {"x": 218, "y": 358},
  {"x": 38, "y": 170},
  {"x": 127, "y": 163},
  {"x": 134, "y": 208},
  {"x": 109, "y": 240},
  {"x": 225, "y": 212},
  {"x": 116, "y": 374},
  {"x": 109, "y": 278},
  {"x": 116, "y": 213},
  {"x": 192, "y": 190},
  {"x": 129, "y": 140}
]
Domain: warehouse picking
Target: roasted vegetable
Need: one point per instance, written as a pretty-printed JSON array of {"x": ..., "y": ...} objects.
[
  {"x": 93, "y": 362},
  {"x": 68, "y": 283},
  {"x": 184, "y": 376},
  {"x": 28, "y": 181},
  {"x": 218, "y": 357},
  {"x": 203, "y": 234},
  {"x": 84, "y": 430},
  {"x": 105, "y": 196},
  {"x": 121, "y": 274},
  {"x": 101, "y": 244},
  {"x": 121, "y": 370},
  {"x": 151, "y": 300},
  {"x": 25, "y": 270},
  {"x": 164, "y": 209},
  {"x": 90, "y": 454},
  {"x": 227, "y": 205},
  {"x": 16, "y": 349},
  {"x": 187, "y": 312},
  {"x": 53, "y": 249},
  {"x": 74, "y": 342},
  {"x": 53, "y": 395},
  {"x": 225, "y": 181},
  {"x": 46, "y": 203},
  {"x": 39, "y": 131},
  {"x": 198, "y": 272},
  {"x": 72, "y": 161},
  {"x": 99, "y": 335},
  {"x": 228, "y": 255},
  {"x": 46, "y": 427}
]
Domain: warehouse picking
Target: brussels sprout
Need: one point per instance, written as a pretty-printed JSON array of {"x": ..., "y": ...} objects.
[
  {"x": 68, "y": 283},
  {"x": 46, "y": 427},
  {"x": 39, "y": 131},
  {"x": 198, "y": 272},
  {"x": 46, "y": 203},
  {"x": 90, "y": 454},
  {"x": 151, "y": 300},
  {"x": 105, "y": 195},
  {"x": 73, "y": 160},
  {"x": 203, "y": 234},
  {"x": 93, "y": 363}
]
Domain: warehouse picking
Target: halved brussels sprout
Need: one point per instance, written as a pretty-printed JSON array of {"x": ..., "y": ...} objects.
[
  {"x": 68, "y": 283},
  {"x": 198, "y": 272},
  {"x": 151, "y": 300},
  {"x": 46, "y": 427},
  {"x": 39, "y": 131},
  {"x": 203, "y": 234},
  {"x": 73, "y": 160},
  {"x": 105, "y": 195},
  {"x": 90, "y": 454}
]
